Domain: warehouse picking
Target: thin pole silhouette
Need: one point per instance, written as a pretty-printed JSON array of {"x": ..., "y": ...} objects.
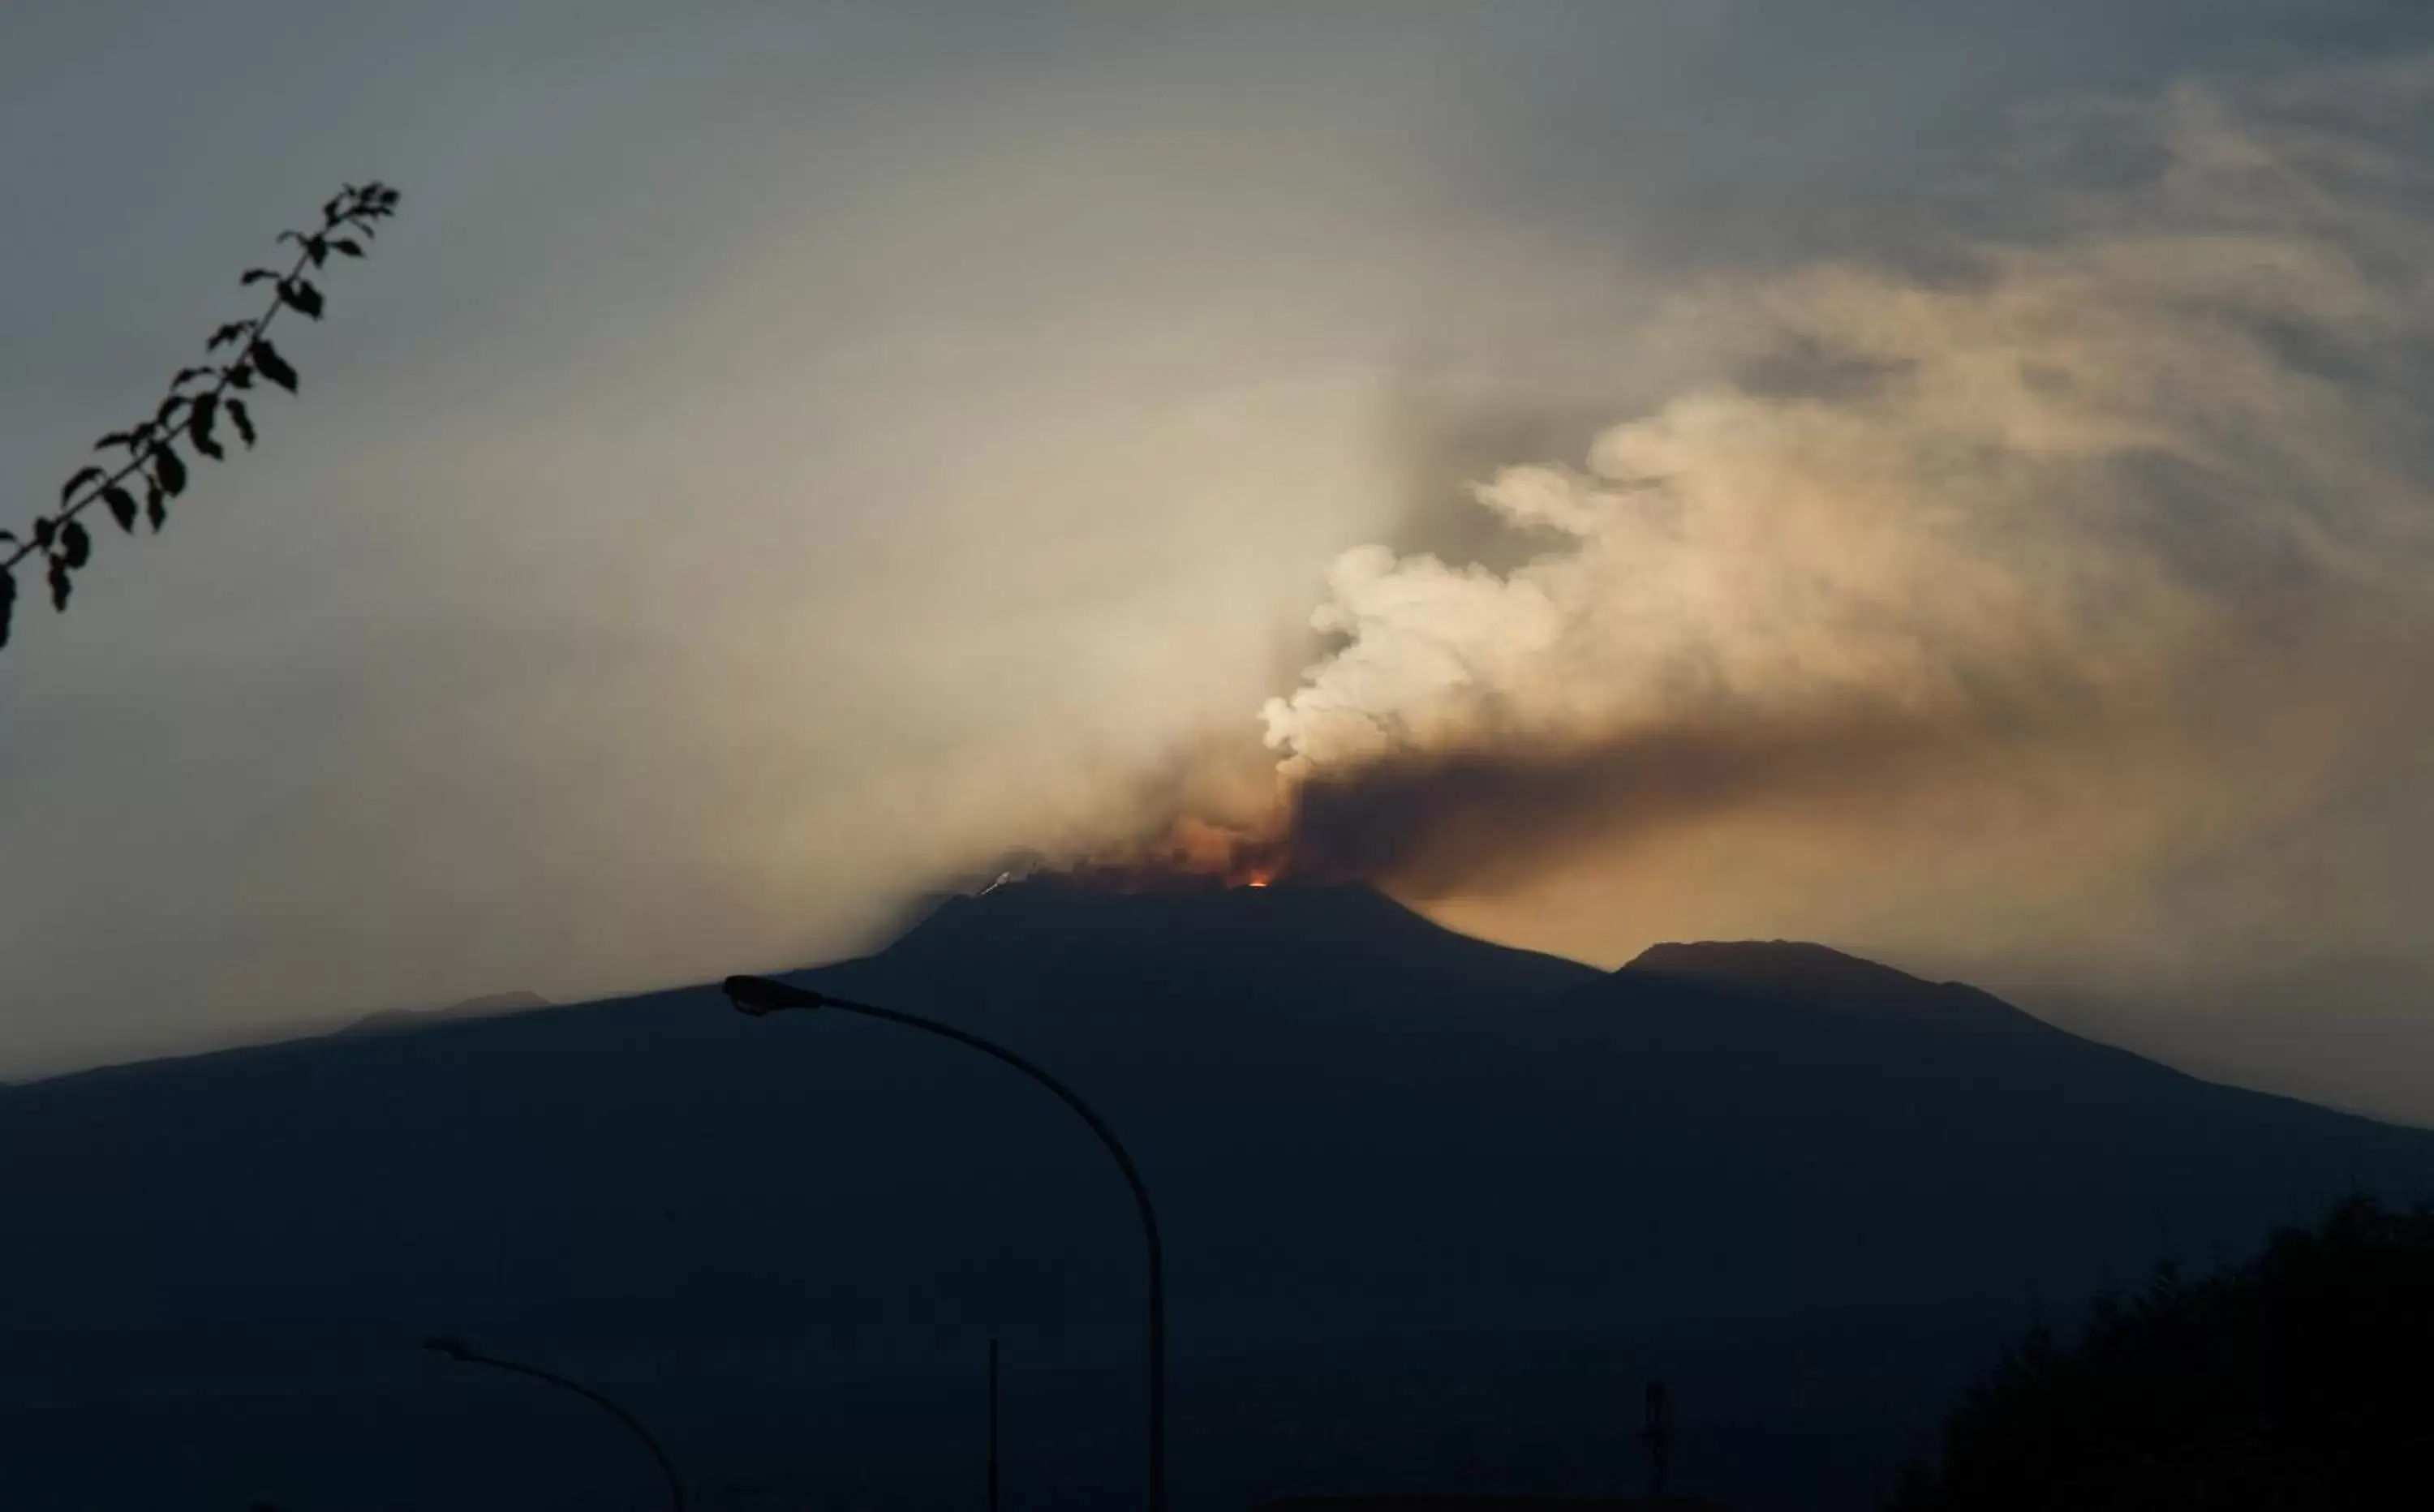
[
  {"x": 1659, "y": 1439},
  {"x": 457, "y": 1349},
  {"x": 759, "y": 996},
  {"x": 992, "y": 1427}
]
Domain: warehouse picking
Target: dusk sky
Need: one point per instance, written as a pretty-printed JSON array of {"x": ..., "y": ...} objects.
[{"x": 1945, "y": 479}]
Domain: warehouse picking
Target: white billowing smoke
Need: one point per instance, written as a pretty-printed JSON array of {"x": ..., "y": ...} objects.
[{"x": 2104, "y": 546}]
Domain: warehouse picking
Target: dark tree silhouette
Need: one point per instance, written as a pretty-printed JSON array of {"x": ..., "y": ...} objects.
[
  {"x": 2298, "y": 1380},
  {"x": 197, "y": 400}
]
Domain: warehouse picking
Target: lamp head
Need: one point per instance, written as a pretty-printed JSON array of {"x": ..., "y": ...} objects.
[
  {"x": 450, "y": 1346},
  {"x": 758, "y": 997}
]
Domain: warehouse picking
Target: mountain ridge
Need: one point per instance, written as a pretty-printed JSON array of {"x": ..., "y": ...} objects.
[
  {"x": 1412, "y": 1170},
  {"x": 394, "y": 1020},
  {"x": 1838, "y": 981}
]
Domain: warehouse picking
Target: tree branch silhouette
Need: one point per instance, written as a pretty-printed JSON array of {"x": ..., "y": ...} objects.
[{"x": 191, "y": 416}]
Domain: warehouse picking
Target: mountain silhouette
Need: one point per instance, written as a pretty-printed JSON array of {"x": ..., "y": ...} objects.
[
  {"x": 389, "y": 1020},
  {"x": 1433, "y": 1211}
]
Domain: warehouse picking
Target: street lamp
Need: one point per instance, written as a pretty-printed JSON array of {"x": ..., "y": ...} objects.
[
  {"x": 463, "y": 1351},
  {"x": 759, "y": 996}
]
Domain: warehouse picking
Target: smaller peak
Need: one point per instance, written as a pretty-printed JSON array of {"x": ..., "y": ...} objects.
[
  {"x": 1766, "y": 963},
  {"x": 1818, "y": 978}
]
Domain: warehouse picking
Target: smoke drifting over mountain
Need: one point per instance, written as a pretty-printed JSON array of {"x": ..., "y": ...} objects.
[
  {"x": 2088, "y": 554},
  {"x": 866, "y": 440}
]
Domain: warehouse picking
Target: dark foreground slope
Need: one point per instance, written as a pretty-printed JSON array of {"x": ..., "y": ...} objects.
[
  {"x": 2297, "y": 1379},
  {"x": 1433, "y": 1210}
]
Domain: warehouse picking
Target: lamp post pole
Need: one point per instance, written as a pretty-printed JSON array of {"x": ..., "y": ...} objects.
[
  {"x": 459, "y": 1349},
  {"x": 759, "y": 996}
]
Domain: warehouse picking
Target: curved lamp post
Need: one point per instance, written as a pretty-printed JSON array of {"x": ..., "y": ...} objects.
[
  {"x": 759, "y": 996},
  {"x": 459, "y": 1349}
]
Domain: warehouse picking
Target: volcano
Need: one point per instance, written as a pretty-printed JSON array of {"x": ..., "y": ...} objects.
[{"x": 1434, "y": 1211}]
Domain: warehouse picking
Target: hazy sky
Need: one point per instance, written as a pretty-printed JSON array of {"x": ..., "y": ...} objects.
[{"x": 784, "y": 456}]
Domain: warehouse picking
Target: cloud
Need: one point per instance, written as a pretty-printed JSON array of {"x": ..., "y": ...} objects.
[{"x": 2085, "y": 550}]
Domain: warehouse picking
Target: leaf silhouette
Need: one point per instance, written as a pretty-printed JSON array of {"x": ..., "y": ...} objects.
[
  {"x": 267, "y": 362},
  {"x": 198, "y": 400},
  {"x": 199, "y": 426},
  {"x": 298, "y": 294}
]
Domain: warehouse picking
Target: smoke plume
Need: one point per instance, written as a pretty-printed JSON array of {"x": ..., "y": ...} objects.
[{"x": 2085, "y": 556}]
